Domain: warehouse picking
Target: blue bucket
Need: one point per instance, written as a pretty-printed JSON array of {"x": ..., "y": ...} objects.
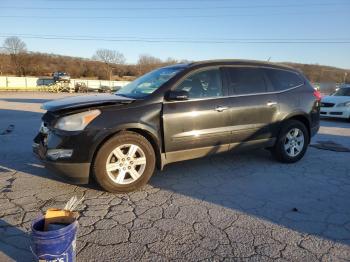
[{"x": 55, "y": 245}]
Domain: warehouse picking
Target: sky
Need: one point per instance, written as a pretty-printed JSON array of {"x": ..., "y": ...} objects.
[{"x": 308, "y": 31}]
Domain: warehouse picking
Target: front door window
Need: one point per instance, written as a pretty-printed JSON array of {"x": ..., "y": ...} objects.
[{"x": 203, "y": 84}]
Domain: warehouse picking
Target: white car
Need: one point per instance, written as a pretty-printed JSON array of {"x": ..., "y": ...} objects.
[{"x": 337, "y": 104}]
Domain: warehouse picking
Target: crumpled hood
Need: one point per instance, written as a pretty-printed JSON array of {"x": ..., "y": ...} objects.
[
  {"x": 335, "y": 99},
  {"x": 84, "y": 101}
]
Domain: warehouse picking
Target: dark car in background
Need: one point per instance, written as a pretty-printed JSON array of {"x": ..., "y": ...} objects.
[{"x": 177, "y": 113}]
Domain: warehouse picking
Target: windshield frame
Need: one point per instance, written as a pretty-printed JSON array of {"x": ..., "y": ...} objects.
[{"x": 177, "y": 69}]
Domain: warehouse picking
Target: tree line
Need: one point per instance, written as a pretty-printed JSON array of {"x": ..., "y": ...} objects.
[{"x": 15, "y": 59}]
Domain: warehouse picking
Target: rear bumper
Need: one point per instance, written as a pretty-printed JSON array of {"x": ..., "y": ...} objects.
[{"x": 76, "y": 173}]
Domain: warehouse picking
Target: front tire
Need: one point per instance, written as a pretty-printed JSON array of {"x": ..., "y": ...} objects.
[
  {"x": 124, "y": 163},
  {"x": 292, "y": 142}
]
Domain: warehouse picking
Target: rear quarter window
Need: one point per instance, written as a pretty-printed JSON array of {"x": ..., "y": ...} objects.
[{"x": 283, "y": 79}]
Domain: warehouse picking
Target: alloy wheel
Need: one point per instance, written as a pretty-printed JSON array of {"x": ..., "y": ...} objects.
[
  {"x": 294, "y": 142},
  {"x": 125, "y": 164}
]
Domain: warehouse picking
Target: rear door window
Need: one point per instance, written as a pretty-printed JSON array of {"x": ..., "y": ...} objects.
[
  {"x": 245, "y": 80},
  {"x": 283, "y": 79}
]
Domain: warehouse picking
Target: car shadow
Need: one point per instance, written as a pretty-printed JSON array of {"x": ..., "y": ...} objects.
[
  {"x": 290, "y": 195},
  {"x": 14, "y": 243}
]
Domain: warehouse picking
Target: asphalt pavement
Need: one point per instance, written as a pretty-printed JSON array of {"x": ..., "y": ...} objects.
[{"x": 234, "y": 207}]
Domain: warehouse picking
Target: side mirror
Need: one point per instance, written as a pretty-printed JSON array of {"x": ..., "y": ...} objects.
[{"x": 177, "y": 95}]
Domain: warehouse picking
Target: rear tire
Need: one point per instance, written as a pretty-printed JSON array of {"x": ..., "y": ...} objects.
[
  {"x": 124, "y": 163},
  {"x": 292, "y": 142}
]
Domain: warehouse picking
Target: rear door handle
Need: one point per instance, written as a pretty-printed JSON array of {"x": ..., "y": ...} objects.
[
  {"x": 271, "y": 103},
  {"x": 221, "y": 108}
]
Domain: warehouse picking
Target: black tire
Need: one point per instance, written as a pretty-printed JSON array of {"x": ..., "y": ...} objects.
[
  {"x": 99, "y": 165},
  {"x": 278, "y": 150}
]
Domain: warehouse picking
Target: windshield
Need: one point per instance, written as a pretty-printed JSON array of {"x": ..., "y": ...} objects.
[
  {"x": 148, "y": 83},
  {"x": 342, "y": 92}
]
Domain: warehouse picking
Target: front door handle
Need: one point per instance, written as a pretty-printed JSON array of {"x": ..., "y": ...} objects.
[
  {"x": 221, "y": 108},
  {"x": 271, "y": 103}
]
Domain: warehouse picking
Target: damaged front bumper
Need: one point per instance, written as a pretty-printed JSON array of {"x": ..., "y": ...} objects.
[{"x": 48, "y": 148}]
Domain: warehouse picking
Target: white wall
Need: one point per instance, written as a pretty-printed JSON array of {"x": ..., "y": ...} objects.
[{"x": 23, "y": 83}]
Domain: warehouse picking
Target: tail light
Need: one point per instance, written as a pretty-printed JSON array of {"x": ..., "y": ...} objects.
[{"x": 317, "y": 95}]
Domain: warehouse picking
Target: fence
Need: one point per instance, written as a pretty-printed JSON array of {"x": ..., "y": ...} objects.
[{"x": 34, "y": 83}]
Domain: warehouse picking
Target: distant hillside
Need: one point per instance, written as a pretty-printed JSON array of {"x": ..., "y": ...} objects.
[
  {"x": 321, "y": 73},
  {"x": 41, "y": 64}
]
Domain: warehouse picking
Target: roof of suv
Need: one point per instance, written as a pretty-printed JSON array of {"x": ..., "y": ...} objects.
[{"x": 240, "y": 62}]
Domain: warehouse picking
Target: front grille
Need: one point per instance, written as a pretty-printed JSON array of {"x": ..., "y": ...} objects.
[
  {"x": 327, "y": 104},
  {"x": 336, "y": 113}
]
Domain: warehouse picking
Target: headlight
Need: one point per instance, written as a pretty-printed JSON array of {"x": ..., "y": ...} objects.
[
  {"x": 345, "y": 104},
  {"x": 78, "y": 121}
]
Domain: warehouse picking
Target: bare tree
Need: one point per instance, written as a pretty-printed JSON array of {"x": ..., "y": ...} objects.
[
  {"x": 110, "y": 58},
  {"x": 148, "y": 63},
  {"x": 171, "y": 61},
  {"x": 14, "y": 46},
  {"x": 17, "y": 50}
]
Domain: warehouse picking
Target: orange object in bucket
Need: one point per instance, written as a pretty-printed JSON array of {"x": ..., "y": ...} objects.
[{"x": 59, "y": 216}]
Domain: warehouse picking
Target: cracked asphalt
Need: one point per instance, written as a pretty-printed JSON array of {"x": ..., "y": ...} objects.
[{"x": 228, "y": 207}]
